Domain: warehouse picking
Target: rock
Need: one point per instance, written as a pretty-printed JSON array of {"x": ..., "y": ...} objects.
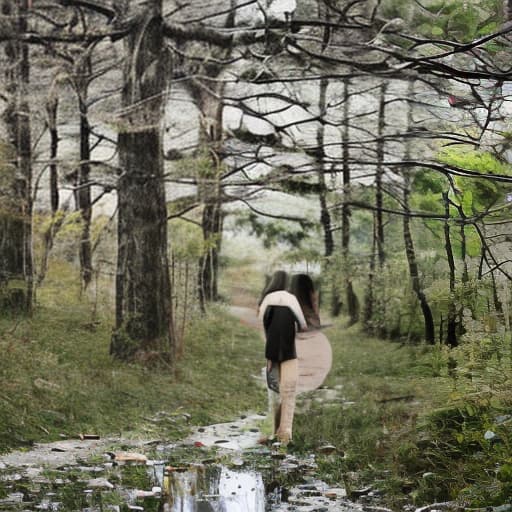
[
  {"x": 99, "y": 483},
  {"x": 58, "y": 449},
  {"x": 327, "y": 449},
  {"x": 15, "y": 497},
  {"x": 335, "y": 492},
  {"x": 357, "y": 493},
  {"x": 489, "y": 435},
  {"x": 129, "y": 457},
  {"x": 155, "y": 491}
]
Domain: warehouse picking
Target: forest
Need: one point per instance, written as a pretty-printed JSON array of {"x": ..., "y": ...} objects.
[{"x": 159, "y": 159}]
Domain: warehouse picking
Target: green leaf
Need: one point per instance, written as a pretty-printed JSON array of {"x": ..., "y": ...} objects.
[
  {"x": 467, "y": 201},
  {"x": 437, "y": 31}
]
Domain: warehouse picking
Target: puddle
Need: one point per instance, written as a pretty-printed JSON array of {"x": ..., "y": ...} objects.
[
  {"x": 218, "y": 468},
  {"x": 258, "y": 480},
  {"x": 215, "y": 489}
]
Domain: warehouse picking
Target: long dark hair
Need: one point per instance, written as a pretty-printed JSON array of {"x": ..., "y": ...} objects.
[
  {"x": 302, "y": 287},
  {"x": 277, "y": 282}
]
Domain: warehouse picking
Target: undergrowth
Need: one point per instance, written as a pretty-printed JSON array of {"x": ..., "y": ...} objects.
[
  {"x": 413, "y": 424},
  {"x": 419, "y": 424},
  {"x": 58, "y": 379}
]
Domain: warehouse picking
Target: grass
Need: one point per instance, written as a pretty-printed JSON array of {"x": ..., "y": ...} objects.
[
  {"x": 57, "y": 378},
  {"x": 409, "y": 429},
  {"x": 410, "y": 420}
]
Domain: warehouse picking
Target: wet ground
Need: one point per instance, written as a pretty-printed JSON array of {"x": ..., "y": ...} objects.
[{"x": 219, "y": 468}]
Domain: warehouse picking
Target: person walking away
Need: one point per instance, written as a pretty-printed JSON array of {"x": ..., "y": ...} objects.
[{"x": 282, "y": 317}]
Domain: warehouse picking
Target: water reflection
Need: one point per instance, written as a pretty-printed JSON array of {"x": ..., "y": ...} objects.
[{"x": 214, "y": 489}]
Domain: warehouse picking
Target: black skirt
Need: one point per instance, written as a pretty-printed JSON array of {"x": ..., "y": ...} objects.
[{"x": 279, "y": 323}]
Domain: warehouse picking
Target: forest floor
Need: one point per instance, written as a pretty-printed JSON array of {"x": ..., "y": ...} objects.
[
  {"x": 111, "y": 472},
  {"x": 392, "y": 427}
]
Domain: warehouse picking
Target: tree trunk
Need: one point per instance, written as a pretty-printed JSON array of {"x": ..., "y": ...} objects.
[
  {"x": 413, "y": 269},
  {"x": 49, "y": 235},
  {"x": 83, "y": 192},
  {"x": 369, "y": 297},
  {"x": 379, "y": 202},
  {"x": 143, "y": 296},
  {"x": 408, "y": 240},
  {"x": 16, "y": 214},
  {"x": 325, "y": 217},
  {"x": 51, "y": 109},
  {"x": 352, "y": 300},
  {"x": 209, "y": 101},
  {"x": 378, "y": 255},
  {"x": 451, "y": 319}
]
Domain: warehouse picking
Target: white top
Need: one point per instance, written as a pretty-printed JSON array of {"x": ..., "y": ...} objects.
[{"x": 283, "y": 298}]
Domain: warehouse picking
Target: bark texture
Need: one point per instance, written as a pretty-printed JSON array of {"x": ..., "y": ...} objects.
[{"x": 143, "y": 294}]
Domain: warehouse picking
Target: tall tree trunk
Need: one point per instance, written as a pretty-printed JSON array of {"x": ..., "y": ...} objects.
[
  {"x": 325, "y": 217},
  {"x": 143, "y": 294},
  {"x": 379, "y": 196},
  {"x": 16, "y": 215},
  {"x": 51, "y": 111},
  {"x": 369, "y": 298},
  {"x": 413, "y": 268},
  {"x": 451, "y": 319},
  {"x": 209, "y": 100},
  {"x": 378, "y": 255},
  {"x": 83, "y": 192},
  {"x": 352, "y": 300},
  {"x": 408, "y": 240}
]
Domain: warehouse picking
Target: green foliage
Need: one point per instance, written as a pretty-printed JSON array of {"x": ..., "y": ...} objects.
[
  {"x": 480, "y": 161},
  {"x": 402, "y": 423},
  {"x": 273, "y": 233},
  {"x": 185, "y": 240},
  {"x": 447, "y": 19}
]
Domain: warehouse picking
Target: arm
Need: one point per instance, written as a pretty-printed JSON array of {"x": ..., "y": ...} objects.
[{"x": 262, "y": 307}]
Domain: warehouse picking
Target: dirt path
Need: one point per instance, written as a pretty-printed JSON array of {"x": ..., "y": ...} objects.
[{"x": 75, "y": 474}]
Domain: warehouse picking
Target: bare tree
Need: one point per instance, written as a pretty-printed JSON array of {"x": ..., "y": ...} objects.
[{"x": 16, "y": 218}]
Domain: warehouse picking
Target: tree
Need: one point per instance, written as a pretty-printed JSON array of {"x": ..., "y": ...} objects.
[
  {"x": 351, "y": 297},
  {"x": 16, "y": 215},
  {"x": 408, "y": 239},
  {"x": 143, "y": 295}
]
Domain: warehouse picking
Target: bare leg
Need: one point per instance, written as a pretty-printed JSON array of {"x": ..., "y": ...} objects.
[
  {"x": 277, "y": 417},
  {"x": 288, "y": 389}
]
